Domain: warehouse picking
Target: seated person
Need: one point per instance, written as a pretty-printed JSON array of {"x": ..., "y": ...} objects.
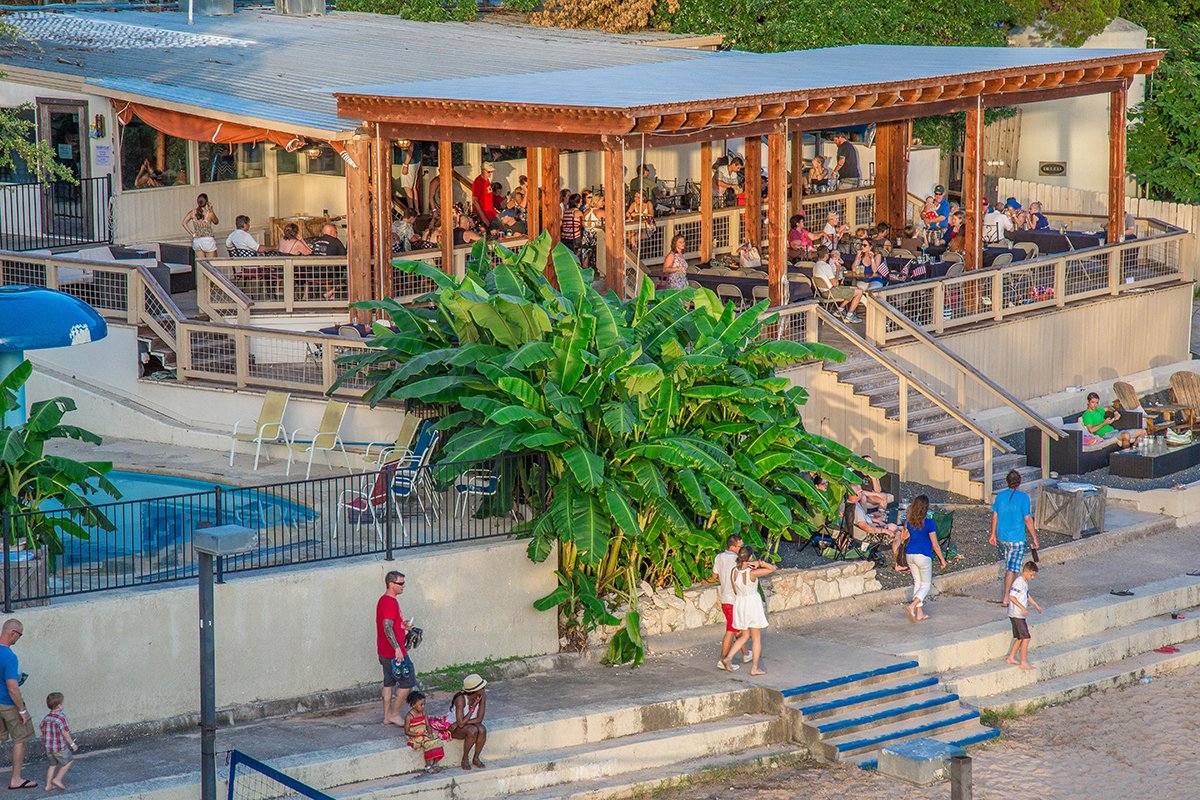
[
  {"x": 240, "y": 243},
  {"x": 996, "y": 227},
  {"x": 404, "y": 231},
  {"x": 464, "y": 232},
  {"x": 148, "y": 176},
  {"x": 873, "y": 497},
  {"x": 827, "y": 276},
  {"x": 1099, "y": 421},
  {"x": 1040, "y": 223},
  {"x": 1020, "y": 216},
  {"x": 882, "y": 233},
  {"x": 292, "y": 243},
  {"x": 910, "y": 241},
  {"x": 727, "y": 180},
  {"x": 328, "y": 243},
  {"x": 817, "y": 177},
  {"x": 866, "y": 530},
  {"x": 799, "y": 241},
  {"x": 749, "y": 257}
]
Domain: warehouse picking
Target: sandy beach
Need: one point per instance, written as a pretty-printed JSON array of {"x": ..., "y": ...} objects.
[{"x": 1139, "y": 742}]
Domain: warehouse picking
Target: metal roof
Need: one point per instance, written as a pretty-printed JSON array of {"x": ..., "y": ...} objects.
[
  {"x": 279, "y": 70},
  {"x": 728, "y": 75}
]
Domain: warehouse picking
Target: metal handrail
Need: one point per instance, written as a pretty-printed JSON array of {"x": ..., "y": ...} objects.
[
  {"x": 965, "y": 368},
  {"x": 882, "y": 359}
]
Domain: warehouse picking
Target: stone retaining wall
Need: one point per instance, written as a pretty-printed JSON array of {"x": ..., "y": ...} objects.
[{"x": 663, "y": 611}]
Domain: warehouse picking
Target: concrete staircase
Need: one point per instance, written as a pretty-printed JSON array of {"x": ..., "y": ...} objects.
[
  {"x": 850, "y": 718},
  {"x": 933, "y": 427},
  {"x": 600, "y": 754},
  {"x": 1078, "y": 648}
]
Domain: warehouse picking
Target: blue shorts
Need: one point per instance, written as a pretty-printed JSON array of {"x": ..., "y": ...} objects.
[{"x": 1012, "y": 554}]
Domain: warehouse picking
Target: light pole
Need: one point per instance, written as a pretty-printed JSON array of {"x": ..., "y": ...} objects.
[{"x": 212, "y": 543}]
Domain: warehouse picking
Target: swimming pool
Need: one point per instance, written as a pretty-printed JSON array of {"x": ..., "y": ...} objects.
[{"x": 157, "y": 513}]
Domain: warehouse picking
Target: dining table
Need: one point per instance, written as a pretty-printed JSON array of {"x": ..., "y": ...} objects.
[
  {"x": 797, "y": 290},
  {"x": 1052, "y": 241},
  {"x": 990, "y": 253}
]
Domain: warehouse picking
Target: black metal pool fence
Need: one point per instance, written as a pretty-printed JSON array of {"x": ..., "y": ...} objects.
[{"x": 385, "y": 509}]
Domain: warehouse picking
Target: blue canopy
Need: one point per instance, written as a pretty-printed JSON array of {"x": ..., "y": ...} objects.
[{"x": 33, "y": 318}]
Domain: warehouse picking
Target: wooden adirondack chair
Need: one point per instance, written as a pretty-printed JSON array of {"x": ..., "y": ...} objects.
[
  {"x": 1157, "y": 418},
  {"x": 1185, "y": 390}
]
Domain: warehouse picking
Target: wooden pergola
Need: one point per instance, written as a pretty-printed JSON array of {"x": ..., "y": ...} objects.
[{"x": 729, "y": 95}]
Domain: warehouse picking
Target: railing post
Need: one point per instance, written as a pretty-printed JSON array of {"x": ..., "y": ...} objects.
[
  {"x": 1045, "y": 456},
  {"x": 902, "y": 413},
  {"x": 220, "y": 560},
  {"x": 876, "y": 323},
  {"x": 988, "y": 477},
  {"x": 938, "y": 303},
  {"x": 327, "y": 371},
  {"x": 387, "y": 522},
  {"x": 1060, "y": 282},
  {"x": 1114, "y": 270},
  {"x": 134, "y": 296},
  {"x": 241, "y": 355},
  {"x": 6, "y": 530},
  {"x": 811, "y": 323},
  {"x": 183, "y": 351},
  {"x": 289, "y": 285},
  {"x": 998, "y": 294}
]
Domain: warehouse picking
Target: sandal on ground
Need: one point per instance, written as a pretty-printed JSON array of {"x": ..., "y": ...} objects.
[
  {"x": 26, "y": 784},
  {"x": 1121, "y": 593}
]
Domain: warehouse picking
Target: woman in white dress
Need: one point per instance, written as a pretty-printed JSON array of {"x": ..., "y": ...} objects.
[{"x": 749, "y": 616}]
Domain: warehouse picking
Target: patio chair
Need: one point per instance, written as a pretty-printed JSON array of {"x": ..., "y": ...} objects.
[
  {"x": 402, "y": 445},
  {"x": 761, "y": 293},
  {"x": 1157, "y": 417},
  {"x": 325, "y": 438},
  {"x": 754, "y": 273},
  {"x": 368, "y": 504},
  {"x": 267, "y": 428},
  {"x": 1002, "y": 260},
  {"x": 900, "y": 252},
  {"x": 475, "y": 483},
  {"x": 1031, "y": 249},
  {"x": 694, "y": 285},
  {"x": 727, "y": 291},
  {"x": 823, "y": 291},
  {"x": 957, "y": 268},
  {"x": 412, "y": 479},
  {"x": 1185, "y": 390}
]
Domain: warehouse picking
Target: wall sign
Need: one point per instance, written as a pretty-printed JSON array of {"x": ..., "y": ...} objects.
[{"x": 1052, "y": 168}]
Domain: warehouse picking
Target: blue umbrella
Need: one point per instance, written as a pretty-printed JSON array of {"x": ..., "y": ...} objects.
[{"x": 36, "y": 318}]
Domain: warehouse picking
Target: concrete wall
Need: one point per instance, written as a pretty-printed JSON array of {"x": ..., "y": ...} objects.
[
  {"x": 131, "y": 656},
  {"x": 1075, "y": 130},
  {"x": 102, "y": 377}
]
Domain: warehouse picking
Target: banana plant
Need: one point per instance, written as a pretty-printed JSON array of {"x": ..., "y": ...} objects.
[
  {"x": 663, "y": 422},
  {"x": 31, "y": 477}
]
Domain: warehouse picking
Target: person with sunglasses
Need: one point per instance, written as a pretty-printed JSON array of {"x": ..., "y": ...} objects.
[{"x": 399, "y": 676}]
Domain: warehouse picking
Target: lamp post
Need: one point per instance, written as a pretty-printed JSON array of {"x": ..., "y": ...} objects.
[{"x": 210, "y": 544}]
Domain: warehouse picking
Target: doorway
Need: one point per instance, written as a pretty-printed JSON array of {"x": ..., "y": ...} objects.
[{"x": 67, "y": 209}]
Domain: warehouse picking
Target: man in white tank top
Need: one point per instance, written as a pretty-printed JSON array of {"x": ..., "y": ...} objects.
[{"x": 723, "y": 564}]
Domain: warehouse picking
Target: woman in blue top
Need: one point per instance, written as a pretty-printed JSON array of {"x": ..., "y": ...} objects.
[{"x": 921, "y": 535}]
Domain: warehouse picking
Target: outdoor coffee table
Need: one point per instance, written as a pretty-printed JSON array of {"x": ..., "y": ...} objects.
[{"x": 1155, "y": 461}]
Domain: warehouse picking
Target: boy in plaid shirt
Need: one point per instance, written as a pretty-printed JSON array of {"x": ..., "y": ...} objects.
[{"x": 56, "y": 738}]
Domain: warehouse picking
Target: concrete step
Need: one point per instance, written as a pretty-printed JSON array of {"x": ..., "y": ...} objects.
[
  {"x": 649, "y": 782},
  {"x": 932, "y": 425},
  {"x": 953, "y": 440},
  {"x": 960, "y": 738},
  {"x": 937, "y": 723},
  {"x": 927, "y": 414},
  {"x": 876, "y": 383},
  {"x": 1073, "y": 656},
  {"x": 540, "y": 768},
  {"x": 848, "y": 683},
  {"x": 933, "y": 699},
  {"x": 989, "y": 643},
  {"x": 1105, "y": 676},
  {"x": 857, "y": 697},
  {"x": 1031, "y": 477}
]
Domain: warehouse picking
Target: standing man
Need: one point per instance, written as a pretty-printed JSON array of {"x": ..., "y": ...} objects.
[
  {"x": 482, "y": 199},
  {"x": 15, "y": 723},
  {"x": 1012, "y": 517},
  {"x": 723, "y": 565},
  {"x": 941, "y": 211},
  {"x": 645, "y": 184},
  {"x": 847, "y": 163},
  {"x": 410, "y": 171},
  {"x": 399, "y": 677}
]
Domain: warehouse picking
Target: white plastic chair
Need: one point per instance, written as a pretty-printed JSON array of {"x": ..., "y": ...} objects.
[
  {"x": 267, "y": 428},
  {"x": 326, "y": 438}
]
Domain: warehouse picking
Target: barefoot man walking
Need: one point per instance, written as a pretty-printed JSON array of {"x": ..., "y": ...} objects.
[
  {"x": 1012, "y": 517},
  {"x": 399, "y": 677},
  {"x": 15, "y": 723}
]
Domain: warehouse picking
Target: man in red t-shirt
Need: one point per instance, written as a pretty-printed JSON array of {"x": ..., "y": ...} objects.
[
  {"x": 483, "y": 200},
  {"x": 390, "y": 629}
]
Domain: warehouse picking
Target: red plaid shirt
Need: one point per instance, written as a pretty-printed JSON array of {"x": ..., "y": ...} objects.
[{"x": 53, "y": 728}]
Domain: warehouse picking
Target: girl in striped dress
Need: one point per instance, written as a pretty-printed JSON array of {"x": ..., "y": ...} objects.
[{"x": 425, "y": 733}]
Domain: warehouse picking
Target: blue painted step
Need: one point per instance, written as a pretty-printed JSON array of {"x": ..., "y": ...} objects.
[
  {"x": 876, "y": 741},
  {"x": 846, "y": 680},
  {"x": 882, "y": 717},
  {"x": 966, "y": 741},
  {"x": 867, "y": 697}
]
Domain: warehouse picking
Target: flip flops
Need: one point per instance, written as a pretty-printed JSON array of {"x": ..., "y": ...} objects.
[
  {"x": 1194, "y": 574},
  {"x": 1121, "y": 593},
  {"x": 1168, "y": 649}
]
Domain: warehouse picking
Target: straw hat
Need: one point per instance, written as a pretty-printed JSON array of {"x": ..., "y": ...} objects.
[{"x": 473, "y": 683}]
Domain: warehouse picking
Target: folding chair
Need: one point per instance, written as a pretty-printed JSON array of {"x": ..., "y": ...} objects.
[{"x": 727, "y": 291}]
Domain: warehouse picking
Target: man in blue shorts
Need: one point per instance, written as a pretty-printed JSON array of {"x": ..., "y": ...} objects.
[{"x": 1012, "y": 516}]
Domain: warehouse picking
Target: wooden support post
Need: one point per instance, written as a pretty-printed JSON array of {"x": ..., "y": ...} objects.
[
  {"x": 777, "y": 228},
  {"x": 752, "y": 227},
  {"x": 902, "y": 417},
  {"x": 551, "y": 207},
  {"x": 382, "y": 198},
  {"x": 446, "y": 201},
  {"x": 359, "y": 265},
  {"x": 533, "y": 200},
  {"x": 614, "y": 221},
  {"x": 706, "y": 202},
  {"x": 891, "y": 172},
  {"x": 973, "y": 186},
  {"x": 797, "y": 187},
  {"x": 1116, "y": 164}
]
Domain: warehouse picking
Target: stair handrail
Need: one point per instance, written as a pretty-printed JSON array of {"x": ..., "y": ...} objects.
[
  {"x": 240, "y": 299},
  {"x": 148, "y": 283},
  {"x": 1012, "y": 401},
  {"x": 883, "y": 360}
]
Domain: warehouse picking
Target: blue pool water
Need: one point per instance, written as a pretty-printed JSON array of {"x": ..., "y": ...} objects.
[{"x": 157, "y": 512}]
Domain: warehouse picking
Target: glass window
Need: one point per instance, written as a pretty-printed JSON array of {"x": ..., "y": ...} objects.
[
  {"x": 150, "y": 158},
  {"x": 286, "y": 163},
  {"x": 18, "y": 171},
  {"x": 328, "y": 162},
  {"x": 225, "y": 162}
]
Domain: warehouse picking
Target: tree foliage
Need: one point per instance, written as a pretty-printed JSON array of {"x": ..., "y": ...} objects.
[
  {"x": 662, "y": 421},
  {"x": 31, "y": 477},
  {"x": 420, "y": 10},
  {"x": 17, "y": 140}
]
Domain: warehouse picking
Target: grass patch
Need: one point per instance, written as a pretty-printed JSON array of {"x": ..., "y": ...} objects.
[
  {"x": 450, "y": 678},
  {"x": 725, "y": 774},
  {"x": 993, "y": 718}
]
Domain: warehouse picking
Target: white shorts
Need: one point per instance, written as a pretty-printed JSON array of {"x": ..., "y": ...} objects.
[
  {"x": 409, "y": 180},
  {"x": 204, "y": 244}
]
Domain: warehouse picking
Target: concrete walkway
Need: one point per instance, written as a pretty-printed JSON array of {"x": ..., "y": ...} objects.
[{"x": 792, "y": 655}]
